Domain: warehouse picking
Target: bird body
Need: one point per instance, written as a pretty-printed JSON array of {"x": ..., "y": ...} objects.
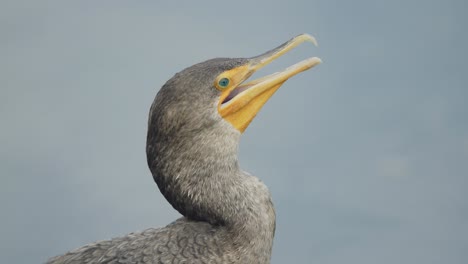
[
  {"x": 194, "y": 128},
  {"x": 183, "y": 241}
]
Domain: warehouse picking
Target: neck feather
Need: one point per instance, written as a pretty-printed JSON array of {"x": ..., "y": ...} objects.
[{"x": 198, "y": 173}]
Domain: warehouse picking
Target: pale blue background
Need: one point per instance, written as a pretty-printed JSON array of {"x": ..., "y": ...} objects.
[{"x": 366, "y": 155}]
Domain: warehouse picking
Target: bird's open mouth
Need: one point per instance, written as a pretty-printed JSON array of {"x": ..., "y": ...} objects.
[
  {"x": 240, "y": 103},
  {"x": 235, "y": 92},
  {"x": 263, "y": 83}
]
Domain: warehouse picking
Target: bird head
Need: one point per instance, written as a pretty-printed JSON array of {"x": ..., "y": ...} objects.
[{"x": 218, "y": 90}]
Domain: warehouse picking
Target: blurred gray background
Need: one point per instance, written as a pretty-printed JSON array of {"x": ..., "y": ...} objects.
[{"x": 366, "y": 155}]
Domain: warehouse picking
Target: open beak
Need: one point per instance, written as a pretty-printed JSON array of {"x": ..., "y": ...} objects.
[{"x": 240, "y": 104}]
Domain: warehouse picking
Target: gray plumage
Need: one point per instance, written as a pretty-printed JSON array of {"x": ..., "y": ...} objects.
[{"x": 228, "y": 215}]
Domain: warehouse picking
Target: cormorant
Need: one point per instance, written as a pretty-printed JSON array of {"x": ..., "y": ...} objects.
[{"x": 194, "y": 127}]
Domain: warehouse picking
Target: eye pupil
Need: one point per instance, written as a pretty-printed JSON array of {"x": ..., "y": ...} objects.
[{"x": 224, "y": 82}]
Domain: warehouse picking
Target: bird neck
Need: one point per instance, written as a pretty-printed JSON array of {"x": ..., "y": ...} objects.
[{"x": 199, "y": 174}]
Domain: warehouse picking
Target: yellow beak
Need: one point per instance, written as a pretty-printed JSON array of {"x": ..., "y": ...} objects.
[{"x": 240, "y": 103}]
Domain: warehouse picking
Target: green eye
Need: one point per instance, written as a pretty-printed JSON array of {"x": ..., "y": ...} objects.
[{"x": 223, "y": 83}]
